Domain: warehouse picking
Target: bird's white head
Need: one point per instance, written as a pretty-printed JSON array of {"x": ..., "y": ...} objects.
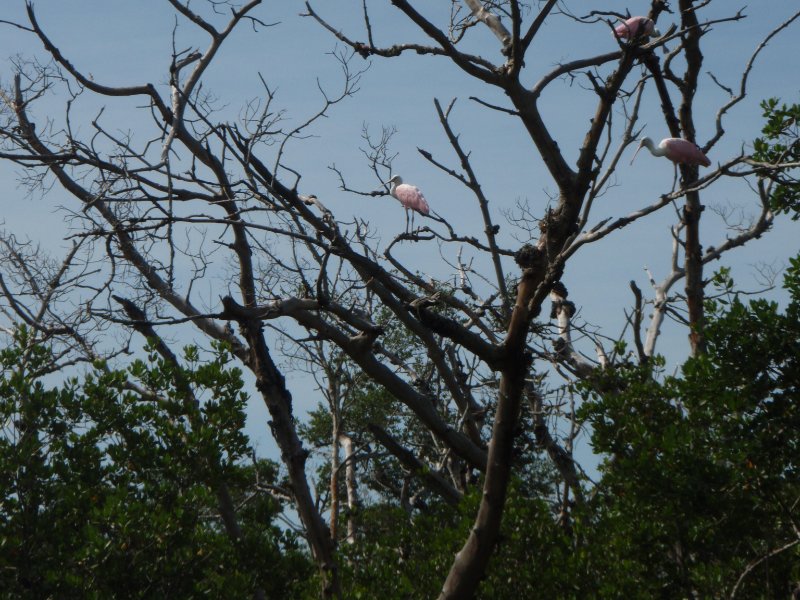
[
  {"x": 393, "y": 183},
  {"x": 645, "y": 142}
]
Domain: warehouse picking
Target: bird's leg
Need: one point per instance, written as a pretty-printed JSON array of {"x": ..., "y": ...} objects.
[
  {"x": 406, "y": 220},
  {"x": 674, "y": 176}
]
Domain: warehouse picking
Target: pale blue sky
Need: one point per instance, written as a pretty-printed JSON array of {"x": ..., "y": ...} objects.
[{"x": 122, "y": 43}]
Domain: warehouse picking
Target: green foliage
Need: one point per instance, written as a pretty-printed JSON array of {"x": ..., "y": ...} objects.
[
  {"x": 109, "y": 492},
  {"x": 781, "y": 144},
  {"x": 396, "y": 561},
  {"x": 392, "y": 559},
  {"x": 109, "y": 483},
  {"x": 703, "y": 469}
]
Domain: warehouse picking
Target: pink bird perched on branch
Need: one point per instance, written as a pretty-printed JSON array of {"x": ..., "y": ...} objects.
[
  {"x": 678, "y": 150},
  {"x": 636, "y": 26},
  {"x": 409, "y": 196}
]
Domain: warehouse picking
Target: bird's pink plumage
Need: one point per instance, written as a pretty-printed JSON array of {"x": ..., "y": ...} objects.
[
  {"x": 683, "y": 151},
  {"x": 411, "y": 197},
  {"x": 634, "y": 26}
]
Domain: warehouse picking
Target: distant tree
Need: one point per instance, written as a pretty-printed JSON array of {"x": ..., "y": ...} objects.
[
  {"x": 479, "y": 383},
  {"x": 780, "y": 144},
  {"x": 114, "y": 486},
  {"x": 698, "y": 496}
]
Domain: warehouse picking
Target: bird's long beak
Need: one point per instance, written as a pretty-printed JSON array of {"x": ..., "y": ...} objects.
[{"x": 637, "y": 151}]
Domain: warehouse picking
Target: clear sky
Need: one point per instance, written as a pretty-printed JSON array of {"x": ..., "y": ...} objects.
[{"x": 123, "y": 43}]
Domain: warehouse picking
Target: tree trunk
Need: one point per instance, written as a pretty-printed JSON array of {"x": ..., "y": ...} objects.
[
  {"x": 352, "y": 489},
  {"x": 470, "y": 563},
  {"x": 272, "y": 386},
  {"x": 334, "y": 519}
]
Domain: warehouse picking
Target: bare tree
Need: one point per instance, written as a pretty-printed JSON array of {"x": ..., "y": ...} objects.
[{"x": 160, "y": 204}]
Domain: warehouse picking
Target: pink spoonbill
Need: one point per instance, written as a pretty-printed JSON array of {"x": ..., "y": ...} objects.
[
  {"x": 634, "y": 27},
  {"x": 409, "y": 196},
  {"x": 678, "y": 150}
]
